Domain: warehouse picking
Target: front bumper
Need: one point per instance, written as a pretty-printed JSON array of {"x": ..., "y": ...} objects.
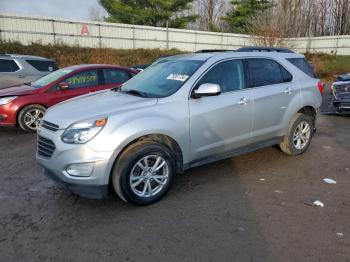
[
  {"x": 341, "y": 104},
  {"x": 93, "y": 186},
  {"x": 341, "y": 96},
  {"x": 8, "y": 115},
  {"x": 88, "y": 191}
]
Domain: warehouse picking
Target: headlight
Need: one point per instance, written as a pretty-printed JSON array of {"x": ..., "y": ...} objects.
[
  {"x": 6, "y": 100},
  {"x": 82, "y": 132}
]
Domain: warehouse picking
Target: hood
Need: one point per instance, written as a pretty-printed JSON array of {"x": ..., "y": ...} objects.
[
  {"x": 100, "y": 104},
  {"x": 21, "y": 90}
]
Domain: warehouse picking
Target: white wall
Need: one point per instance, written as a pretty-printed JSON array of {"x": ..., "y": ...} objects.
[{"x": 27, "y": 29}]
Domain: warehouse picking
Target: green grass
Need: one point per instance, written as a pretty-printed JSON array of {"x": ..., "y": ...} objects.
[{"x": 328, "y": 66}]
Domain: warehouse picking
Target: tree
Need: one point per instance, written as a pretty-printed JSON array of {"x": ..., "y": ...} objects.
[
  {"x": 96, "y": 13},
  {"x": 149, "y": 12},
  {"x": 210, "y": 13},
  {"x": 240, "y": 15}
]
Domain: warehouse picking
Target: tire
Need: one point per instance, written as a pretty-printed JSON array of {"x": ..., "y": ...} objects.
[
  {"x": 290, "y": 144},
  {"x": 131, "y": 169},
  {"x": 29, "y": 117}
]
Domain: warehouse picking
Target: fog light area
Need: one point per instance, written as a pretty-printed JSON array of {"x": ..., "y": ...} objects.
[{"x": 83, "y": 169}]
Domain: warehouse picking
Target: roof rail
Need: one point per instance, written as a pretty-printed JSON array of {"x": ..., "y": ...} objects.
[
  {"x": 213, "y": 50},
  {"x": 263, "y": 49}
]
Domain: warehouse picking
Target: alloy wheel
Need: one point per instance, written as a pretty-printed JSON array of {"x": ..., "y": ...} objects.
[
  {"x": 149, "y": 176},
  {"x": 301, "y": 135},
  {"x": 32, "y": 118}
]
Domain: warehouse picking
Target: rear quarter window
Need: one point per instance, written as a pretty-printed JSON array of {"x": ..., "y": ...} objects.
[
  {"x": 42, "y": 65},
  {"x": 303, "y": 65},
  {"x": 7, "y": 65}
]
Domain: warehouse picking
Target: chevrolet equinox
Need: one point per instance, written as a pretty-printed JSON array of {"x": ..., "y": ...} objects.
[{"x": 181, "y": 112}]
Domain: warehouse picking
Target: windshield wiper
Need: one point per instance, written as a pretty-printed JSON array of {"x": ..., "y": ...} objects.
[{"x": 132, "y": 92}]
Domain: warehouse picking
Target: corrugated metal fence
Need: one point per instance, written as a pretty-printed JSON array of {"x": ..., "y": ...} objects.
[{"x": 50, "y": 30}]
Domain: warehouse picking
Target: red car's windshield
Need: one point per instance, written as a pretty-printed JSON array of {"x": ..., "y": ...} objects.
[{"x": 51, "y": 77}]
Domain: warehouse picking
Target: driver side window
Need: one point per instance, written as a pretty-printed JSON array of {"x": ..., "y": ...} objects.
[
  {"x": 229, "y": 75},
  {"x": 83, "y": 79}
]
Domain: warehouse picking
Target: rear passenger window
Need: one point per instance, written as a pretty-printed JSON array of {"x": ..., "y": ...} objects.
[
  {"x": 229, "y": 75},
  {"x": 265, "y": 72},
  {"x": 303, "y": 65},
  {"x": 112, "y": 76},
  {"x": 42, "y": 65},
  {"x": 7, "y": 65}
]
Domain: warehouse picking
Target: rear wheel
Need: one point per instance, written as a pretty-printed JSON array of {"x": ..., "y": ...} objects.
[
  {"x": 144, "y": 173},
  {"x": 299, "y": 135},
  {"x": 30, "y": 116}
]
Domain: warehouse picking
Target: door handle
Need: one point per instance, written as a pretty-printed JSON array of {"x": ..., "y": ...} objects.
[
  {"x": 288, "y": 91},
  {"x": 243, "y": 101},
  {"x": 21, "y": 76}
]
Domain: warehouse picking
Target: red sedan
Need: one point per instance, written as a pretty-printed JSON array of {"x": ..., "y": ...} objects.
[{"x": 25, "y": 105}]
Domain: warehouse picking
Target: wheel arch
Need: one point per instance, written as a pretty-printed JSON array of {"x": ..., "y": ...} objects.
[
  {"x": 166, "y": 140},
  {"x": 310, "y": 111}
]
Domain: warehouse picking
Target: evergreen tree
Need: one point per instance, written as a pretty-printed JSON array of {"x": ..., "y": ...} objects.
[
  {"x": 240, "y": 15},
  {"x": 149, "y": 12}
]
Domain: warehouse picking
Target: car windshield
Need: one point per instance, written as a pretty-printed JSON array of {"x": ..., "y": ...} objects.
[
  {"x": 51, "y": 77},
  {"x": 161, "y": 79}
]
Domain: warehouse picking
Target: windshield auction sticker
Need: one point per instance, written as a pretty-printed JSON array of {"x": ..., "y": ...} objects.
[{"x": 177, "y": 77}]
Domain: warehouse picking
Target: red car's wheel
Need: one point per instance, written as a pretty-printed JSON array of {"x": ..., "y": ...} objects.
[{"x": 30, "y": 116}]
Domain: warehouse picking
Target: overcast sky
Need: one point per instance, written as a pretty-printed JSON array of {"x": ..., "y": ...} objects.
[{"x": 76, "y": 9}]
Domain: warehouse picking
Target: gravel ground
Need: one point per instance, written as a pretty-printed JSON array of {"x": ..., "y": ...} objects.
[{"x": 255, "y": 207}]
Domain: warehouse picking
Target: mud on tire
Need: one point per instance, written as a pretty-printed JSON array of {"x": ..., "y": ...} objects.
[{"x": 299, "y": 135}]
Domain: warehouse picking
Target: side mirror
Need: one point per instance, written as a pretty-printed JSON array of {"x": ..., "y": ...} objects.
[
  {"x": 63, "y": 86},
  {"x": 207, "y": 90}
]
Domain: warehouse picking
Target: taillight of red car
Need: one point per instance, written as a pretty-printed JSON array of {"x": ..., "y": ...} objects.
[{"x": 320, "y": 87}]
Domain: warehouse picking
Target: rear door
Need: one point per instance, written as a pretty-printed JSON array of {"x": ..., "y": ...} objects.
[
  {"x": 273, "y": 91},
  {"x": 81, "y": 83},
  {"x": 114, "y": 77},
  {"x": 221, "y": 123},
  {"x": 10, "y": 73}
]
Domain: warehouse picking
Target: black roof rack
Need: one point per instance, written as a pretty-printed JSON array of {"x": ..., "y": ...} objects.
[
  {"x": 264, "y": 49},
  {"x": 213, "y": 51}
]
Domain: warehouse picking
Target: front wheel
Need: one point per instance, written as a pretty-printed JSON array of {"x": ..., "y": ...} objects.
[
  {"x": 299, "y": 135},
  {"x": 30, "y": 116},
  {"x": 144, "y": 172}
]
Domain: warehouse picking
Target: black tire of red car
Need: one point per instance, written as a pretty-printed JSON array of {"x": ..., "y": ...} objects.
[
  {"x": 288, "y": 145},
  {"x": 35, "y": 112},
  {"x": 122, "y": 172}
]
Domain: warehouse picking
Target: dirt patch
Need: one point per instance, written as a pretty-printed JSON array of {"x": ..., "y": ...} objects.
[{"x": 255, "y": 207}]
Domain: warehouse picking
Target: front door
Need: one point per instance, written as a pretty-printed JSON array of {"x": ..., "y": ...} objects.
[
  {"x": 79, "y": 84},
  {"x": 221, "y": 123}
]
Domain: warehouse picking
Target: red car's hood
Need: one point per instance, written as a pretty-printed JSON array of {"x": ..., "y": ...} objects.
[{"x": 18, "y": 91}]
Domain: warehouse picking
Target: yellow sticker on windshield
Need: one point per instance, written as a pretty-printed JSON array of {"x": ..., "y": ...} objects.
[{"x": 177, "y": 77}]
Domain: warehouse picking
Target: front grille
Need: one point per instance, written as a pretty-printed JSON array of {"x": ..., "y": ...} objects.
[
  {"x": 50, "y": 126},
  {"x": 46, "y": 147},
  {"x": 342, "y": 90}
]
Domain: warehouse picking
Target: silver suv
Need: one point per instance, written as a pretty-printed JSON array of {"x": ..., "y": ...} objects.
[
  {"x": 20, "y": 69},
  {"x": 181, "y": 112}
]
